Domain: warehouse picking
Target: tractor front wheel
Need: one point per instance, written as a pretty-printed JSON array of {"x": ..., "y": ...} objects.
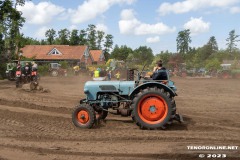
[
  {"x": 153, "y": 109},
  {"x": 83, "y": 116},
  {"x": 18, "y": 82}
]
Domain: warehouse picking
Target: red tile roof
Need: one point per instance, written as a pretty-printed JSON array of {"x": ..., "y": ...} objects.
[
  {"x": 96, "y": 54},
  {"x": 42, "y": 52}
]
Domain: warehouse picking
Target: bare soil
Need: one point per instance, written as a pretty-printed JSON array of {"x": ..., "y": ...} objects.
[{"x": 38, "y": 126}]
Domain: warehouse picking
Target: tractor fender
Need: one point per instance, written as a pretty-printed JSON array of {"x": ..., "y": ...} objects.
[{"x": 151, "y": 84}]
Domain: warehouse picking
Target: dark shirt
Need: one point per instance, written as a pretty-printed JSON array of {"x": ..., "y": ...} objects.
[{"x": 160, "y": 74}]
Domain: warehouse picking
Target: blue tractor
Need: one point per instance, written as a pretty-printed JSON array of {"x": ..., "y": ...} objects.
[{"x": 150, "y": 103}]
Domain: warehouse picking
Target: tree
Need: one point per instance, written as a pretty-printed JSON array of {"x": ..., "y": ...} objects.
[
  {"x": 213, "y": 64},
  {"x": 143, "y": 55},
  {"x": 74, "y": 38},
  {"x": 82, "y": 37},
  {"x": 121, "y": 53},
  {"x": 63, "y": 36},
  {"x": 208, "y": 49},
  {"x": 11, "y": 21},
  {"x": 183, "y": 40},
  {"x": 108, "y": 42},
  {"x": 91, "y": 36},
  {"x": 100, "y": 36},
  {"x": 50, "y": 34},
  {"x": 231, "y": 41},
  {"x": 212, "y": 43}
]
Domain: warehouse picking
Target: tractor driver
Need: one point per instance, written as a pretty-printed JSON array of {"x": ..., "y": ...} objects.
[
  {"x": 159, "y": 72},
  {"x": 27, "y": 69}
]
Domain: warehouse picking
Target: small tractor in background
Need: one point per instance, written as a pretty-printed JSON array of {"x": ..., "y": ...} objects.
[
  {"x": 150, "y": 103},
  {"x": 55, "y": 70},
  {"x": 11, "y": 71},
  {"x": 23, "y": 77}
]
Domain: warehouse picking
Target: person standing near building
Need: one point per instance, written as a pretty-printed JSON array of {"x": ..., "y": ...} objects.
[
  {"x": 34, "y": 66},
  {"x": 109, "y": 75},
  {"x": 118, "y": 75},
  {"x": 76, "y": 70}
]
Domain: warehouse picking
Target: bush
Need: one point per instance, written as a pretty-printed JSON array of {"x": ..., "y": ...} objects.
[
  {"x": 64, "y": 64},
  {"x": 2, "y": 70},
  {"x": 43, "y": 69}
]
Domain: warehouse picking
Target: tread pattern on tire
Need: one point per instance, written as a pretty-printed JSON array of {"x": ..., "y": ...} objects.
[
  {"x": 168, "y": 97},
  {"x": 91, "y": 113}
]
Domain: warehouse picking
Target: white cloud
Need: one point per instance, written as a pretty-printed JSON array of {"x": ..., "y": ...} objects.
[
  {"x": 235, "y": 10},
  {"x": 193, "y": 5},
  {"x": 93, "y": 8},
  {"x": 130, "y": 25},
  {"x": 40, "y": 34},
  {"x": 153, "y": 39},
  {"x": 101, "y": 27},
  {"x": 41, "y": 13},
  {"x": 197, "y": 26},
  {"x": 72, "y": 27}
]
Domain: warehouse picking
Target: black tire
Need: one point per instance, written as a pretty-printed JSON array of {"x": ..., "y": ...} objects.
[
  {"x": 101, "y": 114},
  {"x": 54, "y": 73},
  {"x": 17, "y": 82},
  {"x": 153, "y": 108},
  {"x": 88, "y": 116}
]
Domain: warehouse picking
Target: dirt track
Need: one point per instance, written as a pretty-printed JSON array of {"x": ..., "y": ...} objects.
[{"x": 38, "y": 125}]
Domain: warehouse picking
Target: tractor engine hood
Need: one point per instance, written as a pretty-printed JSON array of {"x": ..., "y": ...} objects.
[{"x": 92, "y": 88}]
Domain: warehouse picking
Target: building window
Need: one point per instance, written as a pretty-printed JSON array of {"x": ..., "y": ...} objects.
[{"x": 54, "y": 52}]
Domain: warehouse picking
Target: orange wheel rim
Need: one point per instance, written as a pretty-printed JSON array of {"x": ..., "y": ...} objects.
[
  {"x": 83, "y": 117},
  {"x": 152, "y": 109}
]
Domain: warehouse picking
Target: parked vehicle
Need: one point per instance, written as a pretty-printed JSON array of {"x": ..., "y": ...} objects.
[
  {"x": 227, "y": 72},
  {"x": 55, "y": 70},
  {"x": 150, "y": 103},
  {"x": 11, "y": 71}
]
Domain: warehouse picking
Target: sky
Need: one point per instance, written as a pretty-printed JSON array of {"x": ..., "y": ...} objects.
[{"x": 135, "y": 23}]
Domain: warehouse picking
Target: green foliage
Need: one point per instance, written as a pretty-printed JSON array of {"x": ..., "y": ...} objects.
[
  {"x": 64, "y": 64},
  {"x": 82, "y": 37},
  {"x": 108, "y": 42},
  {"x": 11, "y": 21},
  {"x": 100, "y": 36},
  {"x": 3, "y": 68},
  {"x": 121, "y": 53},
  {"x": 235, "y": 64},
  {"x": 50, "y": 34},
  {"x": 213, "y": 64},
  {"x": 74, "y": 38},
  {"x": 63, "y": 37},
  {"x": 231, "y": 41},
  {"x": 183, "y": 40},
  {"x": 43, "y": 69},
  {"x": 91, "y": 36}
]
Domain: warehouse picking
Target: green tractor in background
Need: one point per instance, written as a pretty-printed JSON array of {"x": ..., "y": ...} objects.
[{"x": 11, "y": 71}]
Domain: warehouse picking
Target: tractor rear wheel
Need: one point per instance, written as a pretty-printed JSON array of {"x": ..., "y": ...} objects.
[
  {"x": 153, "y": 108},
  {"x": 54, "y": 73},
  {"x": 83, "y": 116}
]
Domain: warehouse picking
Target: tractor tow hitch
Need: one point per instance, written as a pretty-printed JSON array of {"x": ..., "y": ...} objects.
[{"x": 178, "y": 118}]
